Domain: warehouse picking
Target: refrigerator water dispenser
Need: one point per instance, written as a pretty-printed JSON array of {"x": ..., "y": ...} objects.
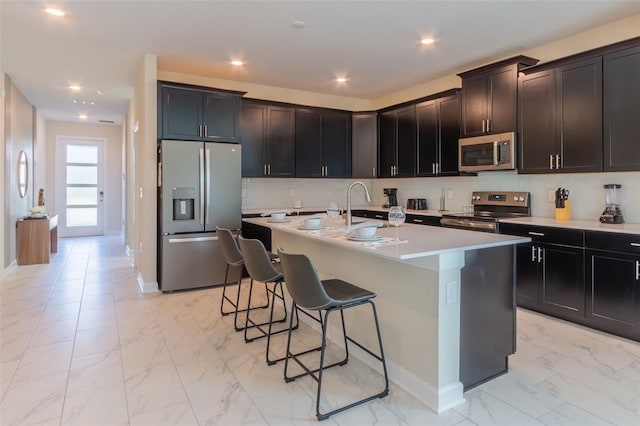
[{"x": 183, "y": 203}]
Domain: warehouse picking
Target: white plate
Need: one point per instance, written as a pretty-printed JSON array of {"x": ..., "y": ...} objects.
[
  {"x": 365, "y": 239},
  {"x": 278, "y": 220},
  {"x": 312, "y": 228}
]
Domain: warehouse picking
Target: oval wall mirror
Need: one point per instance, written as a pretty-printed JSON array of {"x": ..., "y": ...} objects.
[{"x": 23, "y": 174}]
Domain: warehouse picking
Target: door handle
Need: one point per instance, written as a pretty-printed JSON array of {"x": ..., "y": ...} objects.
[
  {"x": 557, "y": 161},
  {"x": 200, "y": 130},
  {"x": 269, "y": 169},
  {"x": 533, "y": 253},
  {"x": 433, "y": 168},
  {"x": 206, "y": 133},
  {"x": 540, "y": 251},
  {"x": 488, "y": 124},
  {"x": 373, "y": 169},
  {"x": 551, "y": 161},
  {"x": 437, "y": 168},
  {"x": 484, "y": 126},
  {"x": 101, "y": 195}
]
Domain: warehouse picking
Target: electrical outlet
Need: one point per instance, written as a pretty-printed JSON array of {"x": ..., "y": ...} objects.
[
  {"x": 551, "y": 195},
  {"x": 140, "y": 247},
  {"x": 450, "y": 194}
]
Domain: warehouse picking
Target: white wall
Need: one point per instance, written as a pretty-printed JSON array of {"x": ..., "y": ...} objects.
[
  {"x": 113, "y": 150},
  {"x": 3, "y": 147}
]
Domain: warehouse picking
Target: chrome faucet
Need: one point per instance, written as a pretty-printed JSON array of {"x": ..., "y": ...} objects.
[{"x": 366, "y": 192}]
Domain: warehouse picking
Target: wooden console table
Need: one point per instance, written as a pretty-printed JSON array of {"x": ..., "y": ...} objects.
[{"x": 36, "y": 239}]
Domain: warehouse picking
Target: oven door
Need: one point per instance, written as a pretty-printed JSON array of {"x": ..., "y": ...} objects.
[{"x": 469, "y": 224}]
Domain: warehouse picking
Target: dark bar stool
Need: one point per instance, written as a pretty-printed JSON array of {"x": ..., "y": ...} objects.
[
  {"x": 309, "y": 293},
  {"x": 235, "y": 265},
  {"x": 262, "y": 269}
]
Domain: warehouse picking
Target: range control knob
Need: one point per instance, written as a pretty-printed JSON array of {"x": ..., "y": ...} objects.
[
  {"x": 521, "y": 198},
  {"x": 515, "y": 198}
]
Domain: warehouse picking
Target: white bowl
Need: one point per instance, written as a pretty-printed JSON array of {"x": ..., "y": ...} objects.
[
  {"x": 366, "y": 231},
  {"x": 311, "y": 222},
  {"x": 278, "y": 216}
]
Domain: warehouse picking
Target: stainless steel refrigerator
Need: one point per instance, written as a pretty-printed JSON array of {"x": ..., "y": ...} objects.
[{"x": 199, "y": 187}]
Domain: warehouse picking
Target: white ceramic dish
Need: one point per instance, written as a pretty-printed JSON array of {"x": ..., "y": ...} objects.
[
  {"x": 311, "y": 228},
  {"x": 278, "y": 216},
  {"x": 312, "y": 222},
  {"x": 278, "y": 220},
  {"x": 365, "y": 239},
  {"x": 365, "y": 231}
]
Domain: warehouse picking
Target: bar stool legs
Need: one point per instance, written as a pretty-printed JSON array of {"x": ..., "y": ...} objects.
[{"x": 235, "y": 304}]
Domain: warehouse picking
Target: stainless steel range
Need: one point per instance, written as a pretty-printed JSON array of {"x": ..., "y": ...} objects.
[{"x": 488, "y": 208}]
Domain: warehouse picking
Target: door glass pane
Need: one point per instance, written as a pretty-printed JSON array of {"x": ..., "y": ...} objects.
[
  {"x": 87, "y": 175},
  {"x": 82, "y": 154},
  {"x": 82, "y": 217},
  {"x": 82, "y": 196}
]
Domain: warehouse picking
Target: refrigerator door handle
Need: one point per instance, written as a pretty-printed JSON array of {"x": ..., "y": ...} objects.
[
  {"x": 201, "y": 186},
  {"x": 209, "y": 184},
  {"x": 192, "y": 240}
]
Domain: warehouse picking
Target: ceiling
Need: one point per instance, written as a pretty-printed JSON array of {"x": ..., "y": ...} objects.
[{"x": 375, "y": 44}]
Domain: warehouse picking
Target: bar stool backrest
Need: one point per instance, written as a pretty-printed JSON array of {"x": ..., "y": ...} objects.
[
  {"x": 230, "y": 248},
  {"x": 257, "y": 261},
  {"x": 302, "y": 281}
]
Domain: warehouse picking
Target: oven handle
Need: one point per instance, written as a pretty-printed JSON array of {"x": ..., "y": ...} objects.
[{"x": 467, "y": 224}]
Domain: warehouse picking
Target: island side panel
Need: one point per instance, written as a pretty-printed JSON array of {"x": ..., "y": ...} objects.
[{"x": 487, "y": 314}]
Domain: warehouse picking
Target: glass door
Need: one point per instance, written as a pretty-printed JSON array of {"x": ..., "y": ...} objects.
[{"x": 80, "y": 188}]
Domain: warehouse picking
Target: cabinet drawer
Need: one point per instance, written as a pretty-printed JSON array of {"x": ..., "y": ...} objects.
[
  {"x": 423, "y": 220},
  {"x": 545, "y": 234},
  {"x": 624, "y": 243}
]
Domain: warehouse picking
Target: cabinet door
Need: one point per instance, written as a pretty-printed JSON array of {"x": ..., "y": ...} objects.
[
  {"x": 527, "y": 281},
  {"x": 336, "y": 142},
  {"x": 252, "y": 129},
  {"x": 475, "y": 94},
  {"x": 580, "y": 116},
  {"x": 428, "y": 137},
  {"x": 449, "y": 134},
  {"x": 621, "y": 105},
  {"x": 613, "y": 292},
  {"x": 220, "y": 118},
  {"x": 308, "y": 143},
  {"x": 562, "y": 281},
  {"x": 503, "y": 98},
  {"x": 280, "y": 141},
  {"x": 406, "y": 142},
  {"x": 181, "y": 114},
  {"x": 387, "y": 144},
  {"x": 537, "y": 138},
  {"x": 364, "y": 145}
]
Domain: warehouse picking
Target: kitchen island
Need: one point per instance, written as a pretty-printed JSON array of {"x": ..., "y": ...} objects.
[{"x": 445, "y": 300}]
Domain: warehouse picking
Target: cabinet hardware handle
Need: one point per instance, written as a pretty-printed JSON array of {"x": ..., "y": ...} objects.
[
  {"x": 269, "y": 168},
  {"x": 433, "y": 168},
  {"x": 206, "y": 132},
  {"x": 418, "y": 220},
  {"x": 557, "y": 161},
  {"x": 200, "y": 130},
  {"x": 533, "y": 253},
  {"x": 551, "y": 161},
  {"x": 483, "y": 126},
  {"x": 537, "y": 234},
  {"x": 540, "y": 251},
  {"x": 637, "y": 269},
  {"x": 635, "y": 244},
  {"x": 438, "y": 168},
  {"x": 488, "y": 124},
  {"x": 378, "y": 216},
  {"x": 264, "y": 166},
  {"x": 373, "y": 169}
]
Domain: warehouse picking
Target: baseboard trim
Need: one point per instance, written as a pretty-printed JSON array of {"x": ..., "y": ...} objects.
[
  {"x": 6, "y": 271},
  {"x": 147, "y": 287}
]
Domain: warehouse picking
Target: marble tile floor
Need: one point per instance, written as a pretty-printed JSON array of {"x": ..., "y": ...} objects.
[{"x": 80, "y": 345}]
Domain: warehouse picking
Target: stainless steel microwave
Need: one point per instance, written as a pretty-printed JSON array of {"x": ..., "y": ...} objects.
[{"x": 488, "y": 152}]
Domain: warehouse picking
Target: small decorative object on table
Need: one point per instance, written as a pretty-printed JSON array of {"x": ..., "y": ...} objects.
[{"x": 37, "y": 212}]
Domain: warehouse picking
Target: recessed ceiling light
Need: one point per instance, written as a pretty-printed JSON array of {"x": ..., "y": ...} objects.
[
  {"x": 298, "y": 24},
  {"x": 237, "y": 62},
  {"x": 82, "y": 116},
  {"x": 100, "y": 92},
  {"x": 54, "y": 11},
  {"x": 341, "y": 79},
  {"x": 75, "y": 87},
  {"x": 427, "y": 40}
]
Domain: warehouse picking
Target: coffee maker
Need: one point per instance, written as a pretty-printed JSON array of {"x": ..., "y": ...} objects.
[
  {"x": 612, "y": 212},
  {"x": 391, "y": 195}
]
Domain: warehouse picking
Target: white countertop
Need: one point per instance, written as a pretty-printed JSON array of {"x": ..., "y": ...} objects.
[
  {"x": 374, "y": 208},
  {"x": 589, "y": 225},
  {"x": 416, "y": 240}
]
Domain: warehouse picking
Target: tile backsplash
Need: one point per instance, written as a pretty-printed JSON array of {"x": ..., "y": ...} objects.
[{"x": 586, "y": 191}]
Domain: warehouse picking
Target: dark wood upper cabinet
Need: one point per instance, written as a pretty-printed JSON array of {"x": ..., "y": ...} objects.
[
  {"x": 364, "y": 142},
  {"x": 621, "y": 106},
  {"x": 397, "y": 142},
  {"x": 438, "y": 124},
  {"x": 336, "y": 138},
  {"x": 309, "y": 158},
  {"x": 561, "y": 118},
  {"x": 198, "y": 114},
  {"x": 490, "y": 97},
  {"x": 267, "y": 133}
]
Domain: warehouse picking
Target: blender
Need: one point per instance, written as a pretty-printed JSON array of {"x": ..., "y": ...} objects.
[{"x": 612, "y": 212}]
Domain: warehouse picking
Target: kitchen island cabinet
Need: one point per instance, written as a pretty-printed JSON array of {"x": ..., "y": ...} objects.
[{"x": 422, "y": 285}]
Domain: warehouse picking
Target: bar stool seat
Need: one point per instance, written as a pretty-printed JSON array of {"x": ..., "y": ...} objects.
[{"x": 310, "y": 293}]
